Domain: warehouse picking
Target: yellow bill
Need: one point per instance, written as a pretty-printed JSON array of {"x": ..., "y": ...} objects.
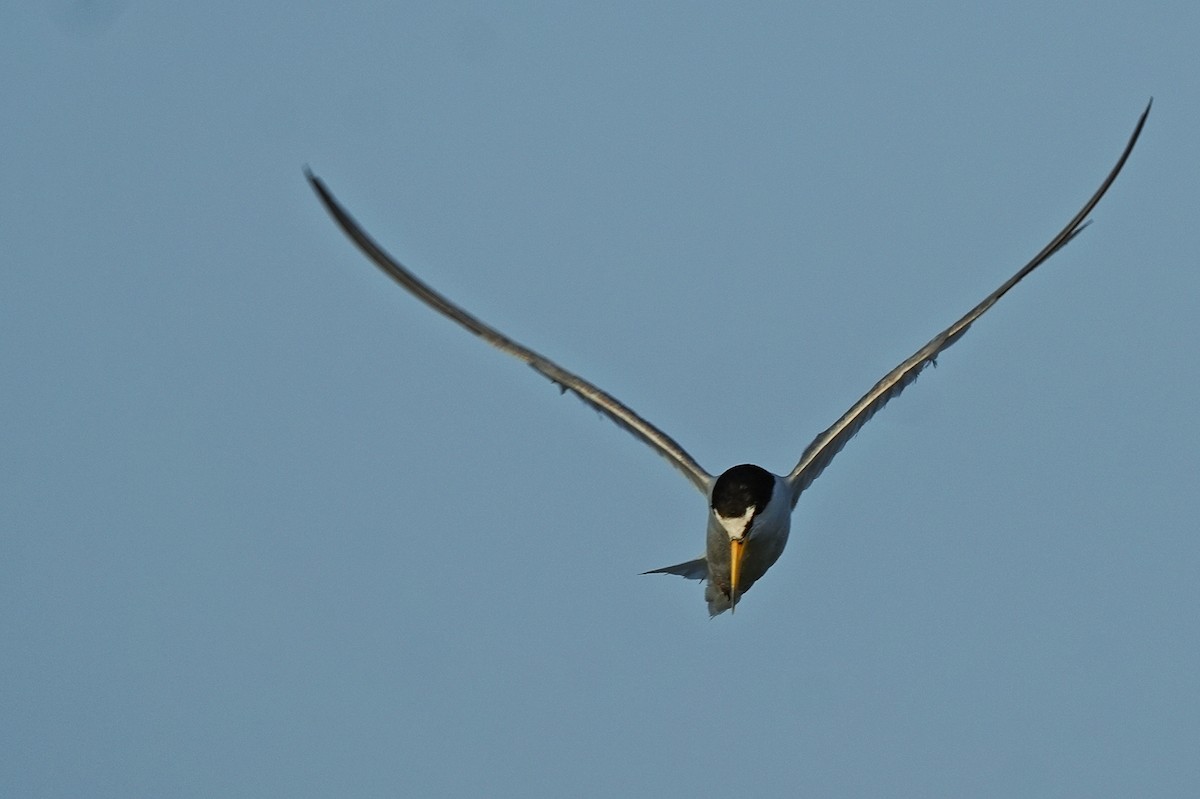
[{"x": 737, "y": 550}]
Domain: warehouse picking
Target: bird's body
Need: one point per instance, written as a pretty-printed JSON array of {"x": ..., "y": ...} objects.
[
  {"x": 749, "y": 514},
  {"x": 746, "y": 504}
]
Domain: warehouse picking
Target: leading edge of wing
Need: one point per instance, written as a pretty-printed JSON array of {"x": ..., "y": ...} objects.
[
  {"x": 825, "y": 446},
  {"x": 602, "y": 401}
]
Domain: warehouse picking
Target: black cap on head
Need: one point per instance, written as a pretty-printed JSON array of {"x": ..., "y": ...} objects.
[{"x": 739, "y": 488}]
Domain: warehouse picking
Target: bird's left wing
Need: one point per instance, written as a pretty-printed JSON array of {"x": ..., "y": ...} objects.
[
  {"x": 602, "y": 401},
  {"x": 825, "y": 446}
]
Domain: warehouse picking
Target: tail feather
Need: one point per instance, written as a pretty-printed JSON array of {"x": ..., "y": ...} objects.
[{"x": 693, "y": 569}]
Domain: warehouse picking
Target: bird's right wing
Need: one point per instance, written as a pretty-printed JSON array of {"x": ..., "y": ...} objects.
[
  {"x": 829, "y": 443},
  {"x": 603, "y": 402}
]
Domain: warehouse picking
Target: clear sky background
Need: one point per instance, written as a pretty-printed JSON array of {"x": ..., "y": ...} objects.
[{"x": 270, "y": 528}]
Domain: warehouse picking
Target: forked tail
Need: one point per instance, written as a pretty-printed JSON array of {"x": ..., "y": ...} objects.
[{"x": 693, "y": 569}]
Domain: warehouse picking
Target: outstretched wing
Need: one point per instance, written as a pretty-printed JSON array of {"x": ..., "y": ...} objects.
[
  {"x": 567, "y": 381},
  {"x": 825, "y": 446}
]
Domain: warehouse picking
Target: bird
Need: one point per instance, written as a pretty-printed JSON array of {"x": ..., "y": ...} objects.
[{"x": 749, "y": 508}]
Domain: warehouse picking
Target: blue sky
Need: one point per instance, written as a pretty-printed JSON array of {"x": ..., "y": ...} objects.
[{"x": 272, "y": 528}]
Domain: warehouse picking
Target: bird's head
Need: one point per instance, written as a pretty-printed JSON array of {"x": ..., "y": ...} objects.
[{"x": 739, "y": 496}]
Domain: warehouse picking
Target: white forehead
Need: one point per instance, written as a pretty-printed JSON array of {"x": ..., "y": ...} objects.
[{"x": 735, "y": 526}]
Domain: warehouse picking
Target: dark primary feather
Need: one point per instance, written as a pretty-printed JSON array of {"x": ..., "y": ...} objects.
[
  {"x": 566, "y": 381},
  {"x": 825, "y": 446}
]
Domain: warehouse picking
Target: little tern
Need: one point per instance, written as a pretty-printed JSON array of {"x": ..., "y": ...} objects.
[{"x": 749, "y": 508}]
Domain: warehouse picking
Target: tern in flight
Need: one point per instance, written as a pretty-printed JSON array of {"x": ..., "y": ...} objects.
[{"x": 750, "y": 508}]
